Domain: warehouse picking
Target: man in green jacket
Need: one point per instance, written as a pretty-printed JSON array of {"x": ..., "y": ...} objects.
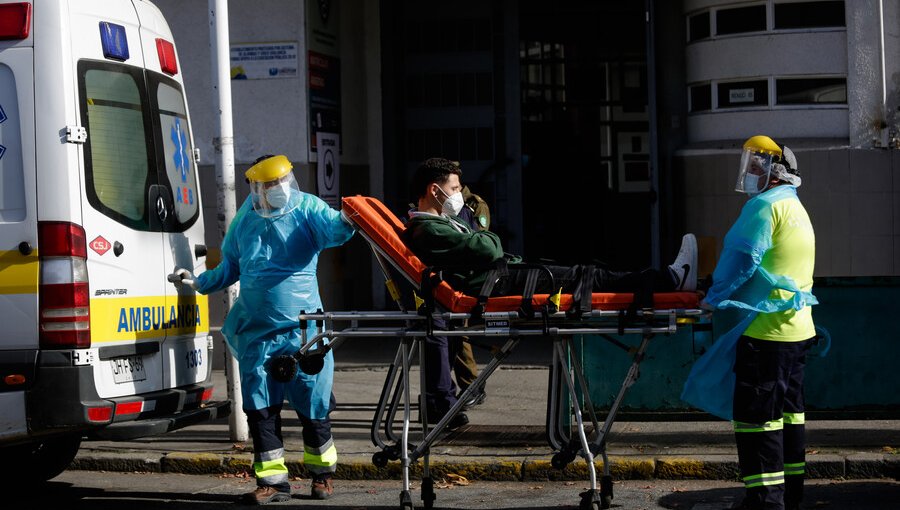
[{"x": 437, "y": 235}]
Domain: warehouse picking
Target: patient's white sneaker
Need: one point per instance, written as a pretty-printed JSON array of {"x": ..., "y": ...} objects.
[{"x": 684, "y": 269}]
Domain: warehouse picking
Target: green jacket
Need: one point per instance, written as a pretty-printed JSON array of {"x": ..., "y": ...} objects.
[{"x": 441, "y": 241}]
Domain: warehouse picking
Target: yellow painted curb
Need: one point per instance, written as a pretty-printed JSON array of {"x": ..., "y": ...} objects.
[
  {"x": 622, "y": 468},
  {"x": 192, "y": 463},
  {"x": 680, "y": 468}
]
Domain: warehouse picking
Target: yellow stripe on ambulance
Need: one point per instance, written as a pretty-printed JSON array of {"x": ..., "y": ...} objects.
[
  {"x": 116, "y": 319},
  {"x": 18, "y": 273}
]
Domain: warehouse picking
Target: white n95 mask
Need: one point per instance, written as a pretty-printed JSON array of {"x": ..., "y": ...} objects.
[{"x": 453, "y": 203}]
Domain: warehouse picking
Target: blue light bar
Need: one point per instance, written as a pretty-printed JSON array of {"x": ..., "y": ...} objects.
[{"x": 115, "y": 43}]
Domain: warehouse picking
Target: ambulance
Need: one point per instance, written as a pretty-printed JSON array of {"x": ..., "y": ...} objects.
[{"x": 99, "y": 202}]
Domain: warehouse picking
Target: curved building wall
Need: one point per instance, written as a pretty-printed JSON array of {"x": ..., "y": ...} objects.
[
  {"x": 847, "y": 149},
  {"x": 766, "y": 57}
]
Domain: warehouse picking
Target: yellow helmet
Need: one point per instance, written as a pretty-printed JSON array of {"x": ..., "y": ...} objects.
[
  {"x": 762, "y": 144},
  {"x": 269, "y": 169},
  {"x": 764, "y": 162}
]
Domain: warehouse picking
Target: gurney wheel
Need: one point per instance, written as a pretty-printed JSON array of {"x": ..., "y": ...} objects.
[
  {"x": 283, "y": 368},
  {"x": 592, "y": 500},
  {"x": 380, "y": 459},
  {"x": 312, "y": 364},
  {"x": 562, "y": 459},
  {"x": 405, "y": 501}
]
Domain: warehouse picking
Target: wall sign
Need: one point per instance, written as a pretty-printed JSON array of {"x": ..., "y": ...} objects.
[
  {"x": 261, "y": 61},
  {"x": 329, "y": 168}
]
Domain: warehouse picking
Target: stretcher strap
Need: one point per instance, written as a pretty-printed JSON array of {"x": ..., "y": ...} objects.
[
  {"x": 490, "y": 280},
  {"x": 429, "y": 280},
  {"x": 526, "y": 309},
  {"x": 643, "y": 299},
  {"x": 581, "y": 296}
]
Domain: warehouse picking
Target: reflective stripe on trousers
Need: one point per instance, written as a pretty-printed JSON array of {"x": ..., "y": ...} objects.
[
  {"x": 322, "y": 459},
  {"x": 269, "y": 468}
]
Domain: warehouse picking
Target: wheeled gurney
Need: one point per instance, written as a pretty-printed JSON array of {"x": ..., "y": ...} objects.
[{"x": 442, "y": 311}]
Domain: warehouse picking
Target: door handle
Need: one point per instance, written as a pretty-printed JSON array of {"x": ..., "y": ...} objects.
[{"x": 25, "y": 248}]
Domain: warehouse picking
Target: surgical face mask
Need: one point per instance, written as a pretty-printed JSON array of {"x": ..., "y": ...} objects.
[
  {"x": 453, "y": 204},
  {"x": 277, "y": 196},
  {"x": 754, "y": 174}
]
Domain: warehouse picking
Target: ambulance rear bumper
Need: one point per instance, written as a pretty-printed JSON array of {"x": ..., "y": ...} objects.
[
  {"x": 64, "y": 400},
  {"x": 124, "y": 431}
]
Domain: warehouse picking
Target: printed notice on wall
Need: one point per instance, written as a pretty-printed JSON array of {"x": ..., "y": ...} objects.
[
  {"x": 260, "y": 61},
  {"x": 329, "y": 166}
]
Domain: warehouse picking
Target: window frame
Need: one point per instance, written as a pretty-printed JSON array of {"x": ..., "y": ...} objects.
[
  {"x": 153, "y": 81},
  {"x": 147, "y": 83},
  {"x": 136, "y": 73},
  {"x": 770, "y": 21}
]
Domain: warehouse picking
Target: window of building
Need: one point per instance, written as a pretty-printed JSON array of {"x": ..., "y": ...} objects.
[
  {"x": 543, "y": 79},
  {"x": 698, "y": 26},
  {"x": 809, "y": 15},
  {"x": 701, "y": 97},
  {"x": 741, "y": 19},
  {"x": 811, "y": 91},
  {"x": 465, "y": 144},
  {"x": 741, "y": 94},
  {"x": 449, "y": 36}
]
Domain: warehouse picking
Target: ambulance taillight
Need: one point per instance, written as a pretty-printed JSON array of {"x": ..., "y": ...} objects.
[
  {"x": 15, "y": 21},
  {"x": 166, "y": 53},
  {"x": 65, "y": 321}
]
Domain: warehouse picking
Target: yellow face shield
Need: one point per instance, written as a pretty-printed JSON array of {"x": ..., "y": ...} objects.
[
  {"x": 269, "y": 169},
  {"x": 273, "y": 189},
  {"x": 754, "y": 173}
]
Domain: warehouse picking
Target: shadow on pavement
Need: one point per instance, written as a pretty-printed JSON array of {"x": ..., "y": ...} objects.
[
  {"x": 70, "y": 497},
  {"x": 821, "y": 495}
]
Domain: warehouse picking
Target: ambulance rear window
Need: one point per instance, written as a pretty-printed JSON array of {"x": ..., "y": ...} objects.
[
  {"x": 118, "y": 141},
  {"x": 177, "y": 153},
  {"x": 138, "y": 158}
]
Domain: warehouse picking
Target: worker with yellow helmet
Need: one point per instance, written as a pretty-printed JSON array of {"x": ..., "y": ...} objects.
[
  {"x": 272, "y": 246},
  {"x": 766, "y": 272}
]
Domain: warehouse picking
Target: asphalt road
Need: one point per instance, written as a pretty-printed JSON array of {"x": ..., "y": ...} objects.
[{"x": 104, "y": 490}]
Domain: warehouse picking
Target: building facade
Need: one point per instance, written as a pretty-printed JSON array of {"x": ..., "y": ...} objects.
[{"x": 596, "y": 130}]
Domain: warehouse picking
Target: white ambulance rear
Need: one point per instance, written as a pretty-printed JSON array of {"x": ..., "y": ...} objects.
[{"x": 99, "y": 201}]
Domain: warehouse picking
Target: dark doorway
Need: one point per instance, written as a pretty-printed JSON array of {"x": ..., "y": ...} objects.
[{"x": 585, "y": 123}]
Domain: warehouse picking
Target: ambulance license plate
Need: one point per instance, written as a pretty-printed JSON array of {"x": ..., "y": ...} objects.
[{"x": 128, "y": 369}]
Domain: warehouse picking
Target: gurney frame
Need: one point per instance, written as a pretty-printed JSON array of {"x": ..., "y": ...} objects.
[{"x": 566, "y": 376}]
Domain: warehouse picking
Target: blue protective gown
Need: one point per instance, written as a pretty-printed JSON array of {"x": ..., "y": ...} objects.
[
  {"x": 740, "y": 283},
  {"x": 275, "y": 260}
]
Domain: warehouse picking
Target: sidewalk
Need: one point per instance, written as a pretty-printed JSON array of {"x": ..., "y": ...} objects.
[{"x": 504, "y": 440}]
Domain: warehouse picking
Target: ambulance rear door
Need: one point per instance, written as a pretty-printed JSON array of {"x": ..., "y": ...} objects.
[
  {"x": 185, "y": 351},
  {"x": 124, "y": 205},
  {"x": 18, "y": 232}
]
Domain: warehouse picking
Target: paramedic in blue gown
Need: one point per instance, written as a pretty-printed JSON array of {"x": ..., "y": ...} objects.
[
  {"x": 272, "y": 247},
  {"x": 773, "y": 238},
  {"x": 437, "y": 235}
]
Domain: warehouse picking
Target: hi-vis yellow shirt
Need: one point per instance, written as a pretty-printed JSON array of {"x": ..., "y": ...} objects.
[{"x": 793, "y": 254}]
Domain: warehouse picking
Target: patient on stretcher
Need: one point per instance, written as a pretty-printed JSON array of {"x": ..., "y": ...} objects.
[{"x": 439, "y": 238}]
